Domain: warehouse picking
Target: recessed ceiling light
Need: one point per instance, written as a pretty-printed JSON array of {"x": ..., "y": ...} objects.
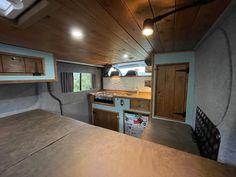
[
  {"x": 76, "y": 34},
  {"x": 125, "y": 56}
]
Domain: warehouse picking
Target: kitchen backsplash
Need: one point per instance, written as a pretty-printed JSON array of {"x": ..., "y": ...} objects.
[{"x": 126, "y": 83}]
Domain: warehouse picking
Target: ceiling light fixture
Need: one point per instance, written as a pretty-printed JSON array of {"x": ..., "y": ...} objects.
[
  {"x": 76, "y": 33},
  {"x": 148, "y": 28},
  {"x": 125, "y": 56},
  {"x": 148, "y": 24}
]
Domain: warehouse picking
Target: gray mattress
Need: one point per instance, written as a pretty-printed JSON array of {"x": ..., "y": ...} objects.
[{"x": 40, "y": 144}]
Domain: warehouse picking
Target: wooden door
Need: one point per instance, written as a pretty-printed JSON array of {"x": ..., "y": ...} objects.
[
  {"x": 171, "y": 91},
  {"x": 106, "y": 119}
]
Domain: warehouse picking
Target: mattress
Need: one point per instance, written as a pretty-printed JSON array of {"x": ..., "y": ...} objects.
[{"x": 40, "y": 144}]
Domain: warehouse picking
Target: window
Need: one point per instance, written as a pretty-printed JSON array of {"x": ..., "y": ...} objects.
[
  {"x": 136, "y": 67},
  {"x": 86, "y": 81},
  {"x": 76, "y": 82}
]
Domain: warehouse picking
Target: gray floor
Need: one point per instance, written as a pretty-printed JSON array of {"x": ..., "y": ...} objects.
[{"x": 172, "y": 134}]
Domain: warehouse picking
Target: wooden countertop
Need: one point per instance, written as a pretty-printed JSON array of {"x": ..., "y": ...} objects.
[
  {"x": 127, "y": 94},
  {"x": 40, "y": 144}
]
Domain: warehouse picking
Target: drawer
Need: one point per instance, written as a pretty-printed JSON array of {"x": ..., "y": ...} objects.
[
  {"x": 142, "y": 105},
  {"x": 1, "y": 64},
  {"x": 13, "y": 64},
  {"x": 33, "y": 65}
]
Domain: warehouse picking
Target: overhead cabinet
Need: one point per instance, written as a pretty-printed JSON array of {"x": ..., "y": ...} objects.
[
  {"x": 13, "y": 64},
  {"x": 21, "y": 64},
  {"x": 34, "y": 65}
]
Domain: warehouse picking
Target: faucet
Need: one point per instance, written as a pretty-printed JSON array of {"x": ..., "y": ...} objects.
[{"x": 137, "y": 90}]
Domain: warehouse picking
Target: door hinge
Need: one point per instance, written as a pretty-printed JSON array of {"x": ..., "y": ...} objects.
[
  {"x": 181, "y": 113},
  {"x": 183, "y": 70}
]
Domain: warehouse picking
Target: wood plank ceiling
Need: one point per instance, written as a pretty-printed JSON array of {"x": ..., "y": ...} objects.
[{"x": 112, "y": 28}]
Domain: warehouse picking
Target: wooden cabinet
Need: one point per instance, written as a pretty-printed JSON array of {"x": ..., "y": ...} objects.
[
  {"x": 13, "y": 64},
  {"x": 20, "y": 65},
  {"x": 142, "y": 105},
  {"x": 34, "y": 65},
  {"x": 106, "y": 119}
]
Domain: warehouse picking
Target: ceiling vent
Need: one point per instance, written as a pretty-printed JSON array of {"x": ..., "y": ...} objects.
[
  {"x": 11, "y": 9},
  {"x": 24, "y": 13}
]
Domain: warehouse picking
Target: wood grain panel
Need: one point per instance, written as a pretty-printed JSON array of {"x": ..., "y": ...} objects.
[
  {"x": 141, "y": 10},
  {"x": 160, "y": 91},
  {"x": 106, "y": 119},
  {"x": 13, "y": 64},
  {"x": 142, "y": 105},
  {"x": 119, "y": 11},
  {"x": 112, "y": 28},
  {"x": 32, "y": 63},
  {"x": 183, "y": 24},
  {"x": 171, "y": 91},
  {"x": 180, "y": 91},
  {"x": 101, "y": 43},
  {"x": 166, "y": 25}
]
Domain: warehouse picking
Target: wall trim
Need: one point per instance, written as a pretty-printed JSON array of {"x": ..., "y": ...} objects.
[{"x": 79, "y": 63}]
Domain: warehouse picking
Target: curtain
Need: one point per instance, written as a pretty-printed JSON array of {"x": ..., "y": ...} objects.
[
  {"x": 67, "y": 82},
  {"x": 94, "y": 83}
]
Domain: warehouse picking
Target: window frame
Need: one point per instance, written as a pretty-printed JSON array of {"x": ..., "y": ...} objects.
[{"x": 80, "y": 80}]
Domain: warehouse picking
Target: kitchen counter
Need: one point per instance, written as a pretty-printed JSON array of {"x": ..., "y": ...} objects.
[
  {"x": 117, "y": 102},
  {"x": 126, "y": 94},
  {"x": 33, "y": 144}
]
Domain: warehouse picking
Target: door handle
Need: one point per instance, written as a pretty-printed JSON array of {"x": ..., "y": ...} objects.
[
  {"x": 183, "y": 70},
  {"x": 181, "y": 113}
]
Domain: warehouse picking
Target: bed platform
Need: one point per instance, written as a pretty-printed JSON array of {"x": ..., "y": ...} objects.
[
  {"x": 172, "y": 134},
  {"x": 40, "y": 144}
]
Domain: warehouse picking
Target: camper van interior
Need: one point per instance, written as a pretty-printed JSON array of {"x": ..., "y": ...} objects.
[{"x": 117, "y": 88}]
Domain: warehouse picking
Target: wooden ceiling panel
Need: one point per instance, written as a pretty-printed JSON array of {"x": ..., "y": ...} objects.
[
  {"x": 141, "y": 10},
  {"x": 208, "y": 13},
  {"x": 165, "y": 26},
  {"x": 183, "y": 22},
  {"x": 112, "y": 28},
  {"x": 122, "y": 15},
  {"x": 161, "y": 6}
]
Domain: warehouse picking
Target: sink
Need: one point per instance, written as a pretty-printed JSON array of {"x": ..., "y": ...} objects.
[
  {"x": 104, "y": 94},
  {"x": 129, "y": 94}
]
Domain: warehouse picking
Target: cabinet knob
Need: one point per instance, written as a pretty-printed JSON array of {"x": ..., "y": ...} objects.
[{"x": 122, "y": 102}]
